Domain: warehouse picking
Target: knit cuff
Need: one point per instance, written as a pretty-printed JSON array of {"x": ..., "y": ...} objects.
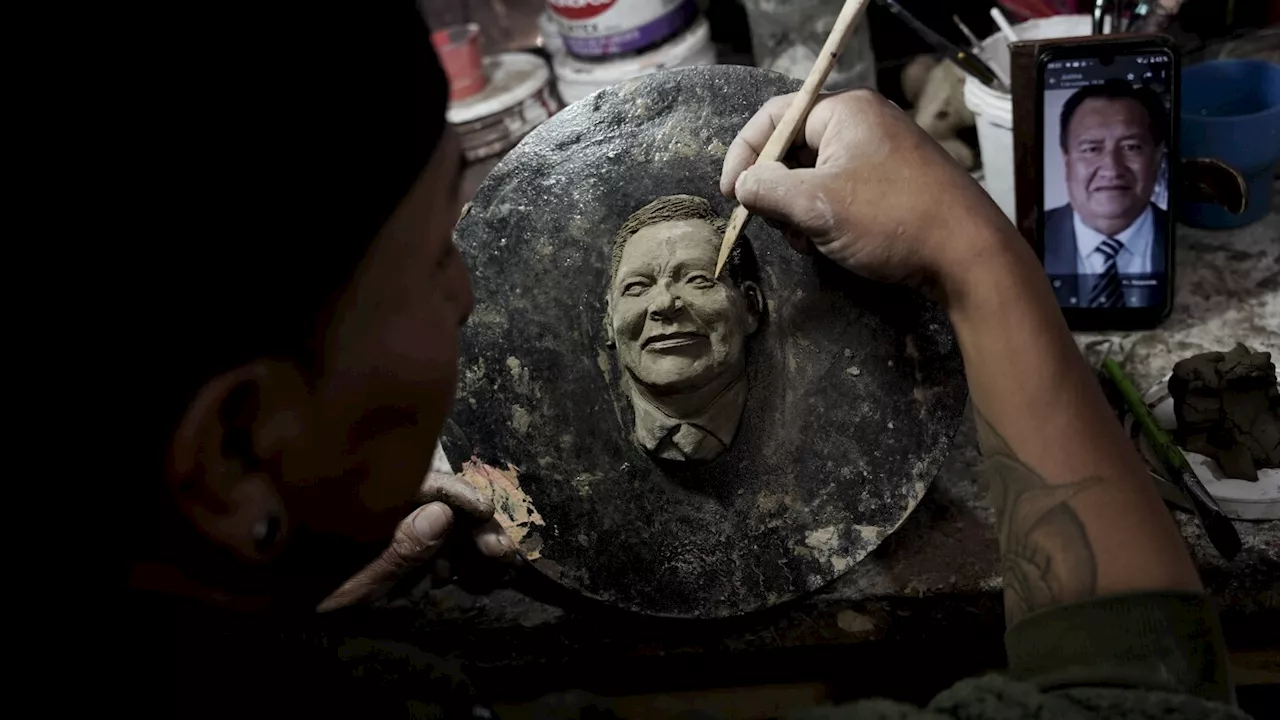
[{"x": 1159, "y": 640}]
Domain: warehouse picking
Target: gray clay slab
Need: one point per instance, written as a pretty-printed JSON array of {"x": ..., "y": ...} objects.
[{"x": 855, "y": 388}]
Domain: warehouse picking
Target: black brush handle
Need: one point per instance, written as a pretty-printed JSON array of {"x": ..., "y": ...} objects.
[
  {"x": 965, "y": 60},
  {"x": 1222, "y": 534}
]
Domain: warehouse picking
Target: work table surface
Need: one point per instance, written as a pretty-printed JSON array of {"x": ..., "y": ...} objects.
[{"x": 934, "y": 585}]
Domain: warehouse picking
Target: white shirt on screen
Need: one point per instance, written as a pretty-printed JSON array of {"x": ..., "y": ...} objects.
[{"x": 1134, "y": 257}]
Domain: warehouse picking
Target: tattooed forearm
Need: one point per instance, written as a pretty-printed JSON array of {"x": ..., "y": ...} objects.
[{"x": 1046, "y": 554}]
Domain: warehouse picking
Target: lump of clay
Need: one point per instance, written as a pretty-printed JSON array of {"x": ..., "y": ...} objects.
[{"x": 1228, "y": 408}]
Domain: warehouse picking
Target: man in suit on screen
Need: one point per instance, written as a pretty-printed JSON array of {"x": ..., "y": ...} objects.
[{"x": 1113, "y": 141}]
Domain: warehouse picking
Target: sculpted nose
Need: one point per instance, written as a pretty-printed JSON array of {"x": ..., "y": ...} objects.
[{"x": 664, "y": 304}]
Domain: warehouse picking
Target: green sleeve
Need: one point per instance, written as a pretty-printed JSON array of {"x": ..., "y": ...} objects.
[
  {"x": 1166, "y": 641},
  {"x": 1137, "y": 656}
]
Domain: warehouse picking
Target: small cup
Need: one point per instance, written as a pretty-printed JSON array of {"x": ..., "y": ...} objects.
[
  {"x": 1231, "y": 113},
  {"x": 459, "y": 49}
]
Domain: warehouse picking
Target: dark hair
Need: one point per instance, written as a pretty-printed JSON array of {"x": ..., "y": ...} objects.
[
  {"x": 1114, "y": 89},
  {"x": 269, "y": 147},
  {"x": 741, "y": 264}
]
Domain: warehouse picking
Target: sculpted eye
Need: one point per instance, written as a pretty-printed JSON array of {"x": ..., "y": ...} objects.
[
  {"x": 702, "y": 282},
  {"x": 633, "y": 288}
]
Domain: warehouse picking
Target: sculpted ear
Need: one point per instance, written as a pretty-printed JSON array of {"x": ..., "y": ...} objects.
[
  {"x": 610, "y": 340},
  {"x": 755, "y": 304}
]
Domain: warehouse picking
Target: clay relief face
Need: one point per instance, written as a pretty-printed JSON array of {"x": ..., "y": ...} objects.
[{"x": 681, "y": 332}]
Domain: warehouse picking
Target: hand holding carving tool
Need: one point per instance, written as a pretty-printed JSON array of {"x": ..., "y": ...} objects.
[{"x": 785, "y": 133}]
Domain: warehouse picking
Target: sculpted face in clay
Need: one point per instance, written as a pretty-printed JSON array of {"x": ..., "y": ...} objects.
[{"x": 681, "y": 332}]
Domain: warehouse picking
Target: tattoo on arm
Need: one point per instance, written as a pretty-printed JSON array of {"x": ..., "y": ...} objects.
[{"x": 1046, "y": 555}]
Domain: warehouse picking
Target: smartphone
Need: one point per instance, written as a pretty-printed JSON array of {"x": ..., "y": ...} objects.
[{"x": 1107, "y": 138}]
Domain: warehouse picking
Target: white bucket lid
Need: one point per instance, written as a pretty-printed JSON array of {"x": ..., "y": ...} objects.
[{"x": 513, "y": 78}]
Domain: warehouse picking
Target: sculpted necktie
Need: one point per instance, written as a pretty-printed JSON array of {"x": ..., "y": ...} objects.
[
  {"x": 1108, "y": 293},
  {"x": 686, "y": 441}
]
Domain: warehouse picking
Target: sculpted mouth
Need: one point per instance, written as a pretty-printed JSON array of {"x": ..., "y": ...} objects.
[{"x": 668, "y": 341}]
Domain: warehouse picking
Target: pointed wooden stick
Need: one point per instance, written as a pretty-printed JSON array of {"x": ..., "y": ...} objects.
[{"x": 785, "y": 133}]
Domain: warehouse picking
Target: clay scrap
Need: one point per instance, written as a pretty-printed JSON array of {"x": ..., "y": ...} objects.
[
  {"x": 512, "y": 507},
  {"x": 1228, "y": 408}
]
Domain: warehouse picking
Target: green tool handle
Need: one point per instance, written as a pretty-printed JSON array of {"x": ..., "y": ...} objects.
[
  {"x": 1160, "y": 441},
  {"x": 1216, "y": 524}
]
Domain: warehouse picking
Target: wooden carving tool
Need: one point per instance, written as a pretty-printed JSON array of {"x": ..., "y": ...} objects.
[{"x": 785, "y": 132}]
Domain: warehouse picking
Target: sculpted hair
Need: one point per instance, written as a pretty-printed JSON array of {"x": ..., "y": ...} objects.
[{"x": 741, "y": 264}]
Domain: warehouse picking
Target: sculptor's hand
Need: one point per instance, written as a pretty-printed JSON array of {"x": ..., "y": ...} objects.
[
  {"x": 884, "y": 200},
  {"x": 868, "y": 187},
  {"x": 420, "y": 535}
]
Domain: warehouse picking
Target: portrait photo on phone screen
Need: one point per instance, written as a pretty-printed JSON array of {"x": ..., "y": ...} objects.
[{"x": 1105, "y": 229}]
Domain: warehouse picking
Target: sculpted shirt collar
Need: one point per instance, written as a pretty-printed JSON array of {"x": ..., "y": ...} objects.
[{"x": 701, "y": 437}]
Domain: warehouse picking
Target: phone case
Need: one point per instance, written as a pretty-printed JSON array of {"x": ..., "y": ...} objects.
[{"x": 1025, "y": 58}]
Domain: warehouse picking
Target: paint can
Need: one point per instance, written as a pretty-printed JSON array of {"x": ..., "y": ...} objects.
[
  {"x": 577, "y": 79},
  {"x": 993, "y": 110},
  {"x": 603, "y": 29},
  {"x": 458, "y": 48},
  {"x": 516, "y": 100}
]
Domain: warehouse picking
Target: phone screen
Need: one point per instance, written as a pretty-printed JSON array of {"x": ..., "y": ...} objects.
[{"x": 1107, "y": 131}]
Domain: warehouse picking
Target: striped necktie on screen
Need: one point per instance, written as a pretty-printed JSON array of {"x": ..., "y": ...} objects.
[{"x": 1107, "y": 293}]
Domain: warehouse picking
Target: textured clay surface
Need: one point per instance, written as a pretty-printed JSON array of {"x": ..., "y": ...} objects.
[{"x": 855, "y": 389}]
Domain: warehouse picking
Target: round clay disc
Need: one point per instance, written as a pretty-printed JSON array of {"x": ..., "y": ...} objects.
[{"x": 855, "y": 389}]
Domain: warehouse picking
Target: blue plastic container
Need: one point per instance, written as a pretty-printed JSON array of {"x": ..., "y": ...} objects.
[{"x": 1231, "y": 112}]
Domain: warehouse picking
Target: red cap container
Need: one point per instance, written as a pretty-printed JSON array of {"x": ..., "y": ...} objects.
[{"x": 459, "y": 49}]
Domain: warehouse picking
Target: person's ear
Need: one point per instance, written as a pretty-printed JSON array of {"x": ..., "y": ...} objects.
[
  {"x": 755, "y": 304},
  {"x": 225, "y": 462}
]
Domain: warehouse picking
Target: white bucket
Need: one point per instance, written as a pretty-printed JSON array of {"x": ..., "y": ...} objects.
[
  {"x": 577, "y": 79},
  {"x": 993, "y": 110},
  {"x": 517, "y": 98}
]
